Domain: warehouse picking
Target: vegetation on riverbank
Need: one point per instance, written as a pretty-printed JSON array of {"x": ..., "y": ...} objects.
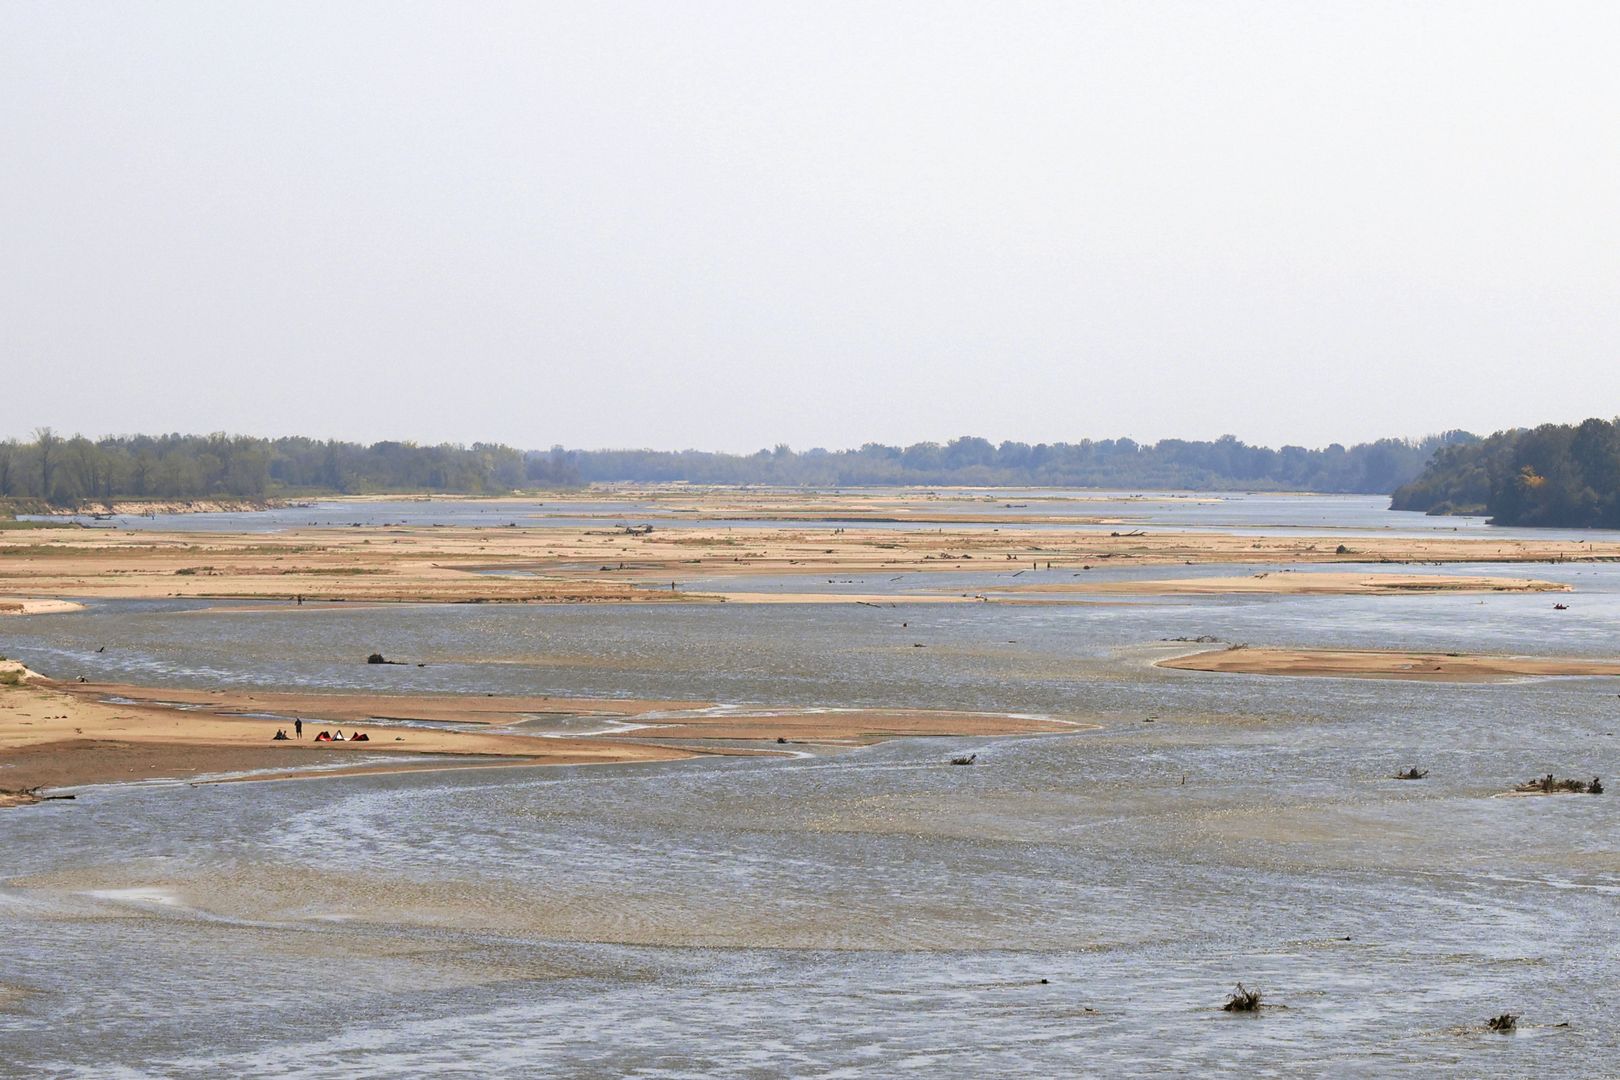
[
  {"x": 1556, "y": 474},
  {"x": 52, "y": 470}
]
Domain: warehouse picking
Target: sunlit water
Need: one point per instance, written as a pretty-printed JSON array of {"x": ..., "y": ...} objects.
[{"x": 872, "y": 912}]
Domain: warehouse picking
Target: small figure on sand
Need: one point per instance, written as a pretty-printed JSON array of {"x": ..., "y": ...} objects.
[
  {"x": 280, "y": 736},
  {"x": 298, "y": 726}
]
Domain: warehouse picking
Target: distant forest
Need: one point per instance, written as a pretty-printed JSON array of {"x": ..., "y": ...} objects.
[
  {"x": 1225, "y": 464},
  {"x": 1556, "y": 474},
  {"x": 67, "y": 471}
]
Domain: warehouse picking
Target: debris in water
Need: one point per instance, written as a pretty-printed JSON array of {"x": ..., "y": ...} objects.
[
  {"x": 1243, "y": 1000},
  {"x": 1550, "y": 785}
]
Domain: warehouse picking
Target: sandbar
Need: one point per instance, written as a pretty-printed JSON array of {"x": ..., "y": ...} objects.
[
  {"x": 55, "y": 735},
  {"x": 1379, "y": 664}
]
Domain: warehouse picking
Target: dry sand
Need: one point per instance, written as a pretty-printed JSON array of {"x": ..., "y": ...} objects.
[
  {"x": 574, "y": 564},
  {"x": 66, "y": 734},
  {"x": 25, "y": 605},
  {"x": 1375, "y": 664}
]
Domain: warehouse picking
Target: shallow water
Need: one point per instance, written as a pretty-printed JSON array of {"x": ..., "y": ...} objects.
[{"x": 872, "y": 912}]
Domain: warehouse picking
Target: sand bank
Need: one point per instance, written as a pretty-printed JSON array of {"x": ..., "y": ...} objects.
[
  {"x": 66, "y": 734},
  {"x": 56, "y": 735},
  {"x": 579, "y": 565},
  {"x": 1302, "y": 584},
  {"x": 1375, "y": 664}
]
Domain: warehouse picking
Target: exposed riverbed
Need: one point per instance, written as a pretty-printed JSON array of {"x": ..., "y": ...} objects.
[{"x": 868, "y": 911}]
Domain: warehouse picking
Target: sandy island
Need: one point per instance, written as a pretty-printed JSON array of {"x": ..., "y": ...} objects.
[
  {"x": 1376, "y": 664},
  {"x": 55, "y": 735}
]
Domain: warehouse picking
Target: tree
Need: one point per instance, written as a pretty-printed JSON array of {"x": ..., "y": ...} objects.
[{"x": 45, "y": 443}]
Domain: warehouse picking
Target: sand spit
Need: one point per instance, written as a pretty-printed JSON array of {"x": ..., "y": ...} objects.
[
  {"x": 1375, "y": 664},
  {"x": 55, "y": 735},
  {"x": 1288, "y": 583}
]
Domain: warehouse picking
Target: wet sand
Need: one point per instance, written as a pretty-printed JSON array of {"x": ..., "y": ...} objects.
[{"x": 1371, "y": 664}]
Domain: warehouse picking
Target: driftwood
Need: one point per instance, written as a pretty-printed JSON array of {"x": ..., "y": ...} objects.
[
  {"x": 1243, "y": 1000},
  {"x": 965, "y": 759},
  {"x": 1412, "y": 774},
  {"x": 1551, "y": 785},
  {"x": 30, "y": 796},
  {"x": 1504, "y": 1023}
]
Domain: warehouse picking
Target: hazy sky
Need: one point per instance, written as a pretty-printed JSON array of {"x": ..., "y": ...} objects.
[{"x": 686, "y": 224}]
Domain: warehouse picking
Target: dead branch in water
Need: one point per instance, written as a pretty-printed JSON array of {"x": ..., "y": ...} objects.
[{"x": 1243, "y": 1000}]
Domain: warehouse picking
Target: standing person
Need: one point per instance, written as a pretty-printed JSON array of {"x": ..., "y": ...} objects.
[{"x": 298, "y": 726}]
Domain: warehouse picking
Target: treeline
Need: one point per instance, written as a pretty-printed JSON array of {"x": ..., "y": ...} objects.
[
  {"x": 1556, "y": 474},
  {"x": 1224, "y": 464},
  {"x": 68, "y": 471}
]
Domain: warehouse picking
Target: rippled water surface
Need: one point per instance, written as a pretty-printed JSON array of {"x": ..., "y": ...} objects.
[{"x": 871, "y": 912}]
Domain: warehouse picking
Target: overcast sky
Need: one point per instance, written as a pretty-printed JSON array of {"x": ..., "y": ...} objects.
[{"x": 681, "y": 224}]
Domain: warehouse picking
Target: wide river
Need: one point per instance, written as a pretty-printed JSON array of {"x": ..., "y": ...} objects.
[{"x": 1074, "y": 904}]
